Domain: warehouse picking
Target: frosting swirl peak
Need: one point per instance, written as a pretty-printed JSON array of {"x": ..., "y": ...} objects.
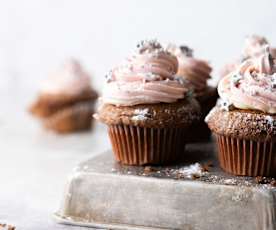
[
  {"x": 254, "y": 46},
  {"x": 195, "y": 71},
  {"x": 69, "y": 79},
  {"x": 253, "y": 85},
  {"x": 147, "y": 77}
]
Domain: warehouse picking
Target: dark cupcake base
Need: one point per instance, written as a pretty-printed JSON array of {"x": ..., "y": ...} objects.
[{"x": 199, "y": 132}]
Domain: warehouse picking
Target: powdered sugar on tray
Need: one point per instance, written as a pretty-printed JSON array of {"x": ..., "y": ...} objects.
[
  {"x": 140, "y": 114},
  {"x": 192, "y": 171}
]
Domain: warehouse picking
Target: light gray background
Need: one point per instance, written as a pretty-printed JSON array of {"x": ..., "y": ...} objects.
[{"x": 36, "y": 36}]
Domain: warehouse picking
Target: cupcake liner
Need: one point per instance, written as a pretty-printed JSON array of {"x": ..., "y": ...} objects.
[
  {"x": 133, "y": 145},
  {"x": 246, "y": 157},
  {"x": 71, "y": 119}
]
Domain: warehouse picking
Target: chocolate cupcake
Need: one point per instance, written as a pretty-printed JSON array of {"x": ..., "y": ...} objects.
[
  {"x": 147, "y": 109},
  {"x": 66, "y": 99},
  {"x": 244, "y": 121},
  {"x": 196, "y": 73}
]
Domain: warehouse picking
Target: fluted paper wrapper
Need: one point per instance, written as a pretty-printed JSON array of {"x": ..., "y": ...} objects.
[
  {"x": 134, "y": 145},
  {"x": 247, "y": 157},
  {"x": 71, "y": 119}
]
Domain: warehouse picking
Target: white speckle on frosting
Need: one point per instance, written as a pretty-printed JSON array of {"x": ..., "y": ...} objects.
[
  {"x": 140, "y": 114},
  {"x": 147, "y": 46},
  {"x": 224, "y": 104},
  {"x": 236, "y": 79},
  {"x": 180, "y": 51}
]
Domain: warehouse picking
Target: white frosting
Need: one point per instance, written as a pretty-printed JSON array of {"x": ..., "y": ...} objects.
[{"x": 69, "y": 79}]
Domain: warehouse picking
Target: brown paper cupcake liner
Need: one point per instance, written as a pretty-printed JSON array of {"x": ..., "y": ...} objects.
[
  {"x": 71, "y": 119},
  {"x": 133, "y": 145},
  {"x": 246, "y": 157}
]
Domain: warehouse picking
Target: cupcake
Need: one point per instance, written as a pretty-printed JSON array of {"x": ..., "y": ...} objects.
[
  {"x": 253, "y": 47},
  {"x": 147, "y": 108},
  {"x": 244, "y": 121},
  {"x": 66, "y": 99},
  {"x": 196, "y": 73}
]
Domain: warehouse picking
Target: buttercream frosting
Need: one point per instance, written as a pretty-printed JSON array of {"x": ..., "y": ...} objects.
[
  {"x": 195, "y": 71},
  {"x": 253, "y": 85},
  {"x": 254, "y": 46},
  {"x": 146, "y": 77},
  {"x": 69, "y": 79}
]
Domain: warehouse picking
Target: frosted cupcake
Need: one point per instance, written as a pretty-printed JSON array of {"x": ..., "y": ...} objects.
[
  {"x": 65, "y": 102},
  {"x": 244, "y": 122},
  {"x": 196, "y": 73},
  {"x": 253, "y": 47},
  {"x": 147, "y": 109}
]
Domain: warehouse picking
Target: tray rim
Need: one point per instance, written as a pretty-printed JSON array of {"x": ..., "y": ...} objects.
[{"x": 60, "y": 219}]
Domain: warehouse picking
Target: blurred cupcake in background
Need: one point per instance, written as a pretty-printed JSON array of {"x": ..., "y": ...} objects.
[
  {"x": 196, "y": 73},
  {"x": 253, "y": 47},
  {"x": 66, "y": 99},
  {"x": 147, "y": 108},
  {"x": 244, "y": 121}
]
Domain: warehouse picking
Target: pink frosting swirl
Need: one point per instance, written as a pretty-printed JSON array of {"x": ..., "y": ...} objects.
[
  {"x": 253, "y": 86},
  {"x": 254, "y": 46},
  {"x": 69, "y": 79},
  {"x": 147, "y": 77},
  {"x": 194, "y": 70}
]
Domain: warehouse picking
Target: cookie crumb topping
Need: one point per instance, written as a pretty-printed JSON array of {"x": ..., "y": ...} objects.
[{"x": 187, "y": 51}]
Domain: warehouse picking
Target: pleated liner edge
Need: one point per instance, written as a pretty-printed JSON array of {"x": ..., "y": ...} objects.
[
  {"x": 246, "y": 157},
  {"x": 134, "y": 145}
]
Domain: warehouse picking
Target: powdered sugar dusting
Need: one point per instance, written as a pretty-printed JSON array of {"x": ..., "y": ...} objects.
[
  {"x": 194, "y": 170},
  {"x": 140, "y": 114},
  {"x": 270, "y": 120}
]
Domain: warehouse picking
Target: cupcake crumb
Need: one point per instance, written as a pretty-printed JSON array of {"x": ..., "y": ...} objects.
[
  {"x": 265, "y": 180},
  {"x": 187, "y": 51},
  {"x": 206, "y": 167},
  {"x": 231, "y": 181},
  {"x": 149, "y": 169}
]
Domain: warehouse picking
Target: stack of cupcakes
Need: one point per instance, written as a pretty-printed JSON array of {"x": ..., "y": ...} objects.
[
  {"x": 244, "y": 121},
  {"x": 148, "y": 109},
  {"x": 66, "y": 100},
  {"x": 196, "y": 72}
]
